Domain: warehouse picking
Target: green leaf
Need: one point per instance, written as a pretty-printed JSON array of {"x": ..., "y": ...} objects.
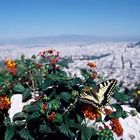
[
  {"x": 18, "y": 88},
  {"x": 66, "y": 96},
  {"x": 48, "y": 82},
  {"x": 79, "y": 118},
  {"x": 35, "y": 117},
  {"x": 58, "y": 118},
  {"x": 64, "y": 129},
  {"x": 76, "y": 81},
  {"x": 10, "y": 132},
  {"x": 7, "y": 121},
  {"x": 21, "y": 69},
  {"x": 63, "y": 63},
  {"x": 99, "y": 119},
  {"x": 25, "y": 134},
  {"x": 29, "y": 108},
  {"x": 39, "y": 80},
  {"x": 61, "y": 74},
  {"x": 124, "y": 115},
  {"x": 44, "y": 129},
  {"x": 87, "y": 133},
  {"x": 26, "y": 95},
  {"x": 118, "y": 113},
  {"x": 1, "y": 80},
  {"x": 19, "y": 116},
  {"x": 120, "y": 97}
]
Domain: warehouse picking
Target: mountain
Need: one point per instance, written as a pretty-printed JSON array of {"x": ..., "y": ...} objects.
[
  {"x": 59, "y": 39},
  {"x": 53, "y": 40}
]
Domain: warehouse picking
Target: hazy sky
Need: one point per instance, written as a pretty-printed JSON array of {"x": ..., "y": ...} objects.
[{"x": 29, "y": 18}]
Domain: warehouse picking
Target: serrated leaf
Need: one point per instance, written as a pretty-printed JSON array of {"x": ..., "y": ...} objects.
[
  {"x": 76, "y": 81},
  {"x": 47, "y": 83},
  {"x": 124, "y": 115},
  {"x": 39, "y": 80},
  {"x": 87, "y": 133},
  {"x": 1, "y": 79},
  {"x": 65, "y": 128},
  {"x": 29, "y": 108},
  {"x": 79, "y": 118},
  {"x": 66, "y": 96},
  {"x": 85, "y": 73},
  {"x": 10, "y": 132},
  {"x": 24, "y": 133},
  {"x": 19, "y": 116},
  {"x": 34, "y": 117},
  {"x": 99, "y": 119},
  {"x": 21, "y": 69},
  {"x": 120, "y": 97},
  {"x": 18, "y": 88},
  {"x": 61, "y": 74},
  {"x": 26, "y": 95},
  {"x": 117, "y": 107},
  {"x": 58, "y": 118},
  {"x": 63, "y": 63},
  {"x": 118, "y": 113},
  {"x": 44, "y": 129}
]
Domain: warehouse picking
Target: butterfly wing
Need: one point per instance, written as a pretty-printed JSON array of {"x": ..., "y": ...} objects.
[
  {"x": 102, "y": 96},
  {"x": 105, "y": 90}
]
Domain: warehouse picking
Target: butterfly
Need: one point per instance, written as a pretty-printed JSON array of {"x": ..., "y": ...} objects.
[{"x": 101, "y": 96}]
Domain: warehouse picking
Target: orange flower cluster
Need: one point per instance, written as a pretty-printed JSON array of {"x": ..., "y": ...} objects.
[
  {"x": 4, "y": 102},
  {"x": 91, "y": 64},
  {"x": 90, "y": 112},
  {"x": 115, "y": 124},
  {"x": 52, "y": 116},
  {"x": 11, "y": 65}
]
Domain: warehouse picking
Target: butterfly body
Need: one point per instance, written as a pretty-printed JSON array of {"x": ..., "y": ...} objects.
[{"x": 102, "y": 96}]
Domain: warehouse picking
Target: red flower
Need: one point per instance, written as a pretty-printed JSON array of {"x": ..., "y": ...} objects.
[
  {"x": 106, "y": 126},
  {"x": 42, "y": 54},
  {"x": 13, "y": 71},
  {"x": 50, "y": 51},
  {"x": 94, "y": 75},
  {"x": 38, "y": 65},
  {"x": 52, "y": 116},
  {"x": 57, "y": 54},
  {"x": 100, "y": 128},
  {"x": 54, "y": 61},
  {"x": 44, "y": 106}
]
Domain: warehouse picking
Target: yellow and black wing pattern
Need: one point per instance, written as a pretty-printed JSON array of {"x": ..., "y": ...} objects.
[{"x": 102, "y": 95}]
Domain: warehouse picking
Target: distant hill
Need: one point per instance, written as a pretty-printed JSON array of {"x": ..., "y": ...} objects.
[
  {"x": 59, "y": 39},
  {"x": 54, "y": 40}
]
